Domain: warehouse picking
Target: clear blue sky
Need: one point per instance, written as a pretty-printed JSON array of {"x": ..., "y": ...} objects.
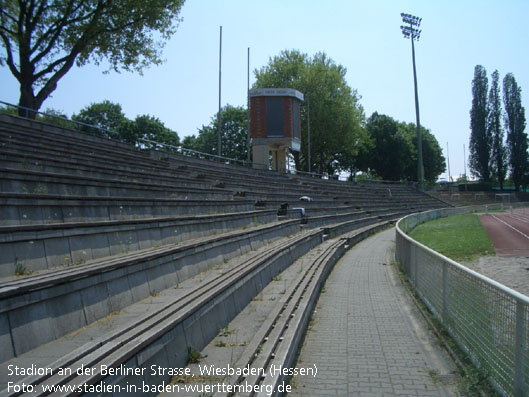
[{"x": 364, "y": 36}]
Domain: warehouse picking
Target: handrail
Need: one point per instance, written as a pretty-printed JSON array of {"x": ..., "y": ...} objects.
[
  {"x": 77, "y": 123},
  {"x": 180, "y": 149},
  {"x": 115, "y": 134}
]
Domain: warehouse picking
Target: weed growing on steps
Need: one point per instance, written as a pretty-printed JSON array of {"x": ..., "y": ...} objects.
[
  {"x": 225, "y": 331},
  {"x": 20, "y": 269},
  {"x": 193, "y": 355}
]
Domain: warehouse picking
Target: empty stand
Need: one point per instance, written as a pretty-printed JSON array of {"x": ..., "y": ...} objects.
[{"x": 113, "y": 255}]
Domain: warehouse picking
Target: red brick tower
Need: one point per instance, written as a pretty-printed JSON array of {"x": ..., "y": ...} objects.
[{"x": 275, "y": 125}]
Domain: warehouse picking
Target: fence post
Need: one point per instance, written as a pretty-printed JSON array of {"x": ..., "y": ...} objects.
[
  {"x": 519, "y": 349},
  {"x": 414, "y": 264},
  {"x": 445, "y": 292}
]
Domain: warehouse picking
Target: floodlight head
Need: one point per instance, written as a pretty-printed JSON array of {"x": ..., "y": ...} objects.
[
  {"x": 411, "y": 19},
  {"x": 410, "y": 32}
]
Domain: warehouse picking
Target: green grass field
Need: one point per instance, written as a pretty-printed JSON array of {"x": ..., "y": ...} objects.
[{"x": 460, "y": 237}]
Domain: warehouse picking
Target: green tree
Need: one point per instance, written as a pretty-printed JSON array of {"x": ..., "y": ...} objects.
[
  {"x": 356, "y": 156},
  {"x": 433, "y": 160},
  {"x": 8, "y": 110},
  {"x": 480, "y": 138},
  {"x": 149, "y": 128},
  {"x": 335, "y": 113},
  {"x": 499, "y": 152},
  {"x": 392, "y": 149},
  {"x": 515, "y": 126},
  {"x": 55, "y": 117},
  {"x": 106, "y": 115},
  {"x": 234, "y": 134},
  {"x": 49, "y": 116},
  {"x": 43, "y": 39}
]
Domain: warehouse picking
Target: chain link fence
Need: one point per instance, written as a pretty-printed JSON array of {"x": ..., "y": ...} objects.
[{"x": 488, "y": 320}]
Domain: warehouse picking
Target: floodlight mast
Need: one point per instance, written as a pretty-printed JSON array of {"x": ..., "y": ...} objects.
[{"x": 412, "y": 32}]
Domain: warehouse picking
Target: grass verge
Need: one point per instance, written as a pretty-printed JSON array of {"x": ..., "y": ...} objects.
[
  {"x": 459, "y": 237},
  {"x": 473, "y": 382}
]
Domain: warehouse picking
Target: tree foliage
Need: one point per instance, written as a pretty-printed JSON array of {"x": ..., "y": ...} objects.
[
  {"x": 110, "y": 117},
  {"x": 432, "y": 155},
  {"x": 515, "y": 126},
  {"x": 495, "y": 130},
  {"x": 43, "y": 39},
  {"x": 106, "y": 115},
  {"x": 234, "y": 135},
  {"x": 489, "y": 156},
  {"x": 336, "y": 116},
  {"x": 480, "y": 138},
  {"x": 148, "y": 128},
  {"x": 392, "y": 151},
  {"x": 391, "y": 148},
  {"x": 49, "y": 116}
]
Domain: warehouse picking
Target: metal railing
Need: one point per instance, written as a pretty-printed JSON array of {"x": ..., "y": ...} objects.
[
  {"x": 488, "y": 320},
  {"x": 80, "y": 126},
  {"x": 103, "y": 132},
  {"x": 76, "y": 125}
]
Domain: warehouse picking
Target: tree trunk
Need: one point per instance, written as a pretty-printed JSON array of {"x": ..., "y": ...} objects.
[{"x": 27, "y": 102}]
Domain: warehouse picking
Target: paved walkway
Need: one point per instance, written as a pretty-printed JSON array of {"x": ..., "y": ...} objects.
[{"x": 367, "y": 337}]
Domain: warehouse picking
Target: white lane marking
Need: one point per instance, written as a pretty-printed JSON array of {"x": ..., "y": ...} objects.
[
  {"x": 523, "y": 219},
  {"x": 512, "y": 227}
]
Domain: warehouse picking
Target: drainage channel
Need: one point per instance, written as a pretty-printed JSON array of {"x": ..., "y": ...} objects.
[{"x": 274, "y": 347}]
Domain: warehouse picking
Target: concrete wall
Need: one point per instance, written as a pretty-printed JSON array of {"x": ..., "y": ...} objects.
[
  {"x": 37, "y": 247},
  {"x": 32, "y": 318}
]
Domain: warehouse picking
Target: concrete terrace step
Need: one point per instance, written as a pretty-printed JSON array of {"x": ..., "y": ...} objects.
[
  {"x": 221, "y": 171},
  {"x": 172, "y": 177},
  {"x": 61, "y": 147},
  {"x": 364, "y": 204},
  {"x": 78, "y": 295},
  {"x": 20, "y": 181},
  {"x": 268, "y": 331},
  {"x": 40, "y": 154},
  {"x": 165, "y": 291},
  {"x": 41, "y": 157},
  {"x": 45, "y": 159},
  {"x": 159, "y": 329},
  {"x": 314, "y": 183},
  {"x": 40, "y": 129},
  {"x": 47, "y": 246},
  {"x": 131, "y": 157},
  {"x": 180, "y": 318},
  {"x": 214, "y": 170},
  {"x": 54, "y": 135},
  {"x": 294, "y": 212},
  {"x": 25, "y": 209},
  {"x": 254, "y": 192},
  {"x": 11, "y": 160}
]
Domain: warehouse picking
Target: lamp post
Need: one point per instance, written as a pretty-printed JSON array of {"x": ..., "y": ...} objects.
[
  {"x": 219, "y": 114},
  {"x": 411, "y": 31},
  {"x": 248, "y": 138},
  {"x": 308, "y": 132}
]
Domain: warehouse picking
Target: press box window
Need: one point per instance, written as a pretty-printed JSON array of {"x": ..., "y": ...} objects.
[{"x": 274, "y": 116}]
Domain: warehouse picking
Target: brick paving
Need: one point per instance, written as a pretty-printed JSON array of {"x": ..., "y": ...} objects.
[{"x": 367, "y": 337}]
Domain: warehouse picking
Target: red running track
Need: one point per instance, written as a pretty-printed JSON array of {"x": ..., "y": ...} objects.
[{"x": 509, "y": 232}]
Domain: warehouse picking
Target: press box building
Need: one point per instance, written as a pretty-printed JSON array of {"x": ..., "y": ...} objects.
[{"x": 275, "y": 125}]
